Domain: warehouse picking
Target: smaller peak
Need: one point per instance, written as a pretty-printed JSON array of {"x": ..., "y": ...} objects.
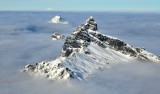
[
  {"x": 58, "y": 19},
  {"x": 90, "y": 24},
  {"x": 90, "y": 19},
  {"x": 57, "y": 36}
]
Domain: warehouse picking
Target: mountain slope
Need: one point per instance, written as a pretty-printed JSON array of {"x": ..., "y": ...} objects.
[{"x": 85, "y": 51}]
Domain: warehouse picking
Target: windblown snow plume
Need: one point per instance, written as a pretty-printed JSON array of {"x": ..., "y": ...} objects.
[
  {"x": 85, "y": 51},
  {"x": 58, "y": 19}
]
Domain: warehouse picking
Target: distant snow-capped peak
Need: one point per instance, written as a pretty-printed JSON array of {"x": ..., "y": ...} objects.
[
  {"x": 58, "y": 19},
  {"x": 85, "y": 51}
]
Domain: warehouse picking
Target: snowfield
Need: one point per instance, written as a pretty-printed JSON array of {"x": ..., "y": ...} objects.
[{"x": 28, "y": 40}]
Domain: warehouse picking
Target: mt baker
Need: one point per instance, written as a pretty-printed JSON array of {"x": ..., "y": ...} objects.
[{"x": 86, "y": 51}]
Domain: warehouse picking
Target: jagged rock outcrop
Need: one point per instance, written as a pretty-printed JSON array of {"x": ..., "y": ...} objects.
[
  {"x": 85, "y": 51},
  {"x": 57, "y": 36}
]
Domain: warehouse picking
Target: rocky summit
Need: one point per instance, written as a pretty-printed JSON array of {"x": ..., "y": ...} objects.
[{"x": 86, "y": 51}]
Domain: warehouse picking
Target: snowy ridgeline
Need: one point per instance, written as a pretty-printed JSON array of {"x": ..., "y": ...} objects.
[
  {"x": 85, "y": 51},
  {"x": 58, "y": 19}
]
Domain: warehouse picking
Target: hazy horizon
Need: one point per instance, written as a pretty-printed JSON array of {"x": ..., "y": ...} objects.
[{"x": 70, "y": 5}]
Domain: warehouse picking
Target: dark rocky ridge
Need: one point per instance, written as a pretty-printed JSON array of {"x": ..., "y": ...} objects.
[{"x": 87, "y": 33}]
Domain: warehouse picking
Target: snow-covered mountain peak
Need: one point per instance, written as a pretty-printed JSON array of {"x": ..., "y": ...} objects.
[
  {"x": 58, "y": 19},
  {"x": 91, "y": 24},
  {"x": 80, "y": 39},
  {"x": 85, "y": 51}
]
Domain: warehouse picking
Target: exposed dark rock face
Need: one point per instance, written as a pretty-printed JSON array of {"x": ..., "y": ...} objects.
[
  {"x": 30, "y": 67},
  {"x": 57, "y": 36},
  {"x": 79, "y": 39},
  {"x": 90, "y": 24}
]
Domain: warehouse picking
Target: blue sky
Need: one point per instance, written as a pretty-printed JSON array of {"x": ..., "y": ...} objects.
[{"x": 69, "y": 5}]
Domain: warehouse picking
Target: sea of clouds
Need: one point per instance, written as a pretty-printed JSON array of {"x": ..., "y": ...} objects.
[{"x": 25, "y": 39}]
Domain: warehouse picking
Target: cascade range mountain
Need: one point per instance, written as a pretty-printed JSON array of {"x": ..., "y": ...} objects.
[{"x": 86, "y": 51}]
